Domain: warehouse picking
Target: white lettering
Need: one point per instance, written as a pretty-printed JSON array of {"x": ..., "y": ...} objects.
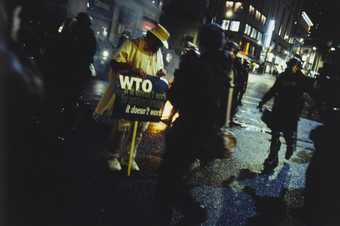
[
  {"x": 138, "y": 81},
  {"x": 137, "y": 111},
  {"x": 147, "y": 86},
  {"x": 127, "y": 110},
  {"x": 125, "y": 82},
  {"x": 155, "y": 113}
]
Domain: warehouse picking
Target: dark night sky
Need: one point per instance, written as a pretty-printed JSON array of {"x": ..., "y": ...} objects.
[{"x": 325, "y": 15}]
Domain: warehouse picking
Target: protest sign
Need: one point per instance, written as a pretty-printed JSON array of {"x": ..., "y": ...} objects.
[{"x": 139, "y": 99}]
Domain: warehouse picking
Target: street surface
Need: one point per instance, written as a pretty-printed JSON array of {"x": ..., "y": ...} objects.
[{"x": 234, "y": 190}]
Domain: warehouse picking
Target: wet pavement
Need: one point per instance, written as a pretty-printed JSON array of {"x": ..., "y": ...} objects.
[{"x": 234, "y": 190}]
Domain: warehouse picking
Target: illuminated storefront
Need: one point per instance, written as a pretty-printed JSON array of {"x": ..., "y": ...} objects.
[{"x": 244, "y": 23}]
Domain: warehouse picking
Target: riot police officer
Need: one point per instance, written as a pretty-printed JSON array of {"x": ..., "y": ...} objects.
[{"x": 288, "y": 93}]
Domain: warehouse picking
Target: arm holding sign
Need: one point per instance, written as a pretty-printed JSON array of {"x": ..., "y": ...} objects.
[
  {"x": 121, "y": 63},
  {"x": 161, "y": 73}
]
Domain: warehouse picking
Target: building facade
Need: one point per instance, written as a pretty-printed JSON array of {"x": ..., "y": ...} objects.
[
  {"x": 264, "y": 29},
  {"x": 245, "y": 22},
  {"x": 283, "y": 14},
  {"x": 310, "y": 54}
]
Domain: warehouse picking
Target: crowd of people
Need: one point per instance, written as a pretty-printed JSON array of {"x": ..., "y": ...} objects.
[{"x": 207, "y": 90}]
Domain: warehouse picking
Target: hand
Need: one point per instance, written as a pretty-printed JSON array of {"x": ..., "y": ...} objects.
[
  {"x": 139, "y": 72},
  {"x": 161, "y": 73}
]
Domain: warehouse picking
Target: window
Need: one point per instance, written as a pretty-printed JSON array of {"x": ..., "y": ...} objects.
[
  {"x": 258, "y": 15},
  {"x": 235, "y": 26},
  {"x": 251, "y": 10},
  {"x": 225, "y": 24},
  {"x": 263, "y": 19},
  {"x": 229, "y": 4},
  {"x": 238, "y": 6},
  {"x": 259, "y": 37},
  {"x": 253, "y": 33},
  {"x": 247, "y": 30},
  {"x": 231, "y": 25}
]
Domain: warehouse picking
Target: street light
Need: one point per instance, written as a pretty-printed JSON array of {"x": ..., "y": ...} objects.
[
  {"x": 229, "y": 14},
  {"x": 314, "y": 48},
  {"x": 61, "y": 28},
  {"x": 105, "y": 54},
  {"x": 332, "y": 49}
]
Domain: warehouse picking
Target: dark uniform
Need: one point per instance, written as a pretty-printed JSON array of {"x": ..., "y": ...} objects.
[
  {"x": 244, "y": 81},
  {"x": 199, "y": 95},
  {"x": 237, "y": 77},
  {"x": 288, "y": 92},
  {"x": 241, "y": 78},
  {"x": 83, "y": 45}
]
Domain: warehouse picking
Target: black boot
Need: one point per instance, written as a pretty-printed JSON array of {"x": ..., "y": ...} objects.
[
  {"x": 289, "y": 152},
  {"x": 273, "y": 159},
  {"x": 270, "y": 163}
]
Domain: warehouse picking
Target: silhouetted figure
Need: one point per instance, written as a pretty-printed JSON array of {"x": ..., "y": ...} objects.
[
  {"x": 199, "y": 95},
  {"x": 326, "y": 83},
  {"x": 288, "y": 93},
  {"x": 322, "y": 201},
  {"x": 237, "y": 74},
  {"x": 84, "y": 46},
  {"x": 188, "y": 54},
  {"x": 239, "y": 83},
  {"x": 243, "y": 81},
  {"x": 22, "y": 92},
  {"x": 68, "y": 70}
]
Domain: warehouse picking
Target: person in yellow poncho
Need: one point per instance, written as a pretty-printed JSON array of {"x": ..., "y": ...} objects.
[{"x": 140, "y": 57}]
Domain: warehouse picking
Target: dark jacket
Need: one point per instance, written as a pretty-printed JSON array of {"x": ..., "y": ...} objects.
[
  {"x": 322, "y": 192},
  {"x": 288, "y": 92},
  {"x": 240, "y": 75},
  {"x": 22, "y": 166},
  {"x": 200, "y": 87},
  {"x": 327, "y": 90},
  {"x": 200, "y": 95}
]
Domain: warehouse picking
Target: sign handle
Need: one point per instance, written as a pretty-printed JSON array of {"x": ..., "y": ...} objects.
[{"x": 132, "y": 146}]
